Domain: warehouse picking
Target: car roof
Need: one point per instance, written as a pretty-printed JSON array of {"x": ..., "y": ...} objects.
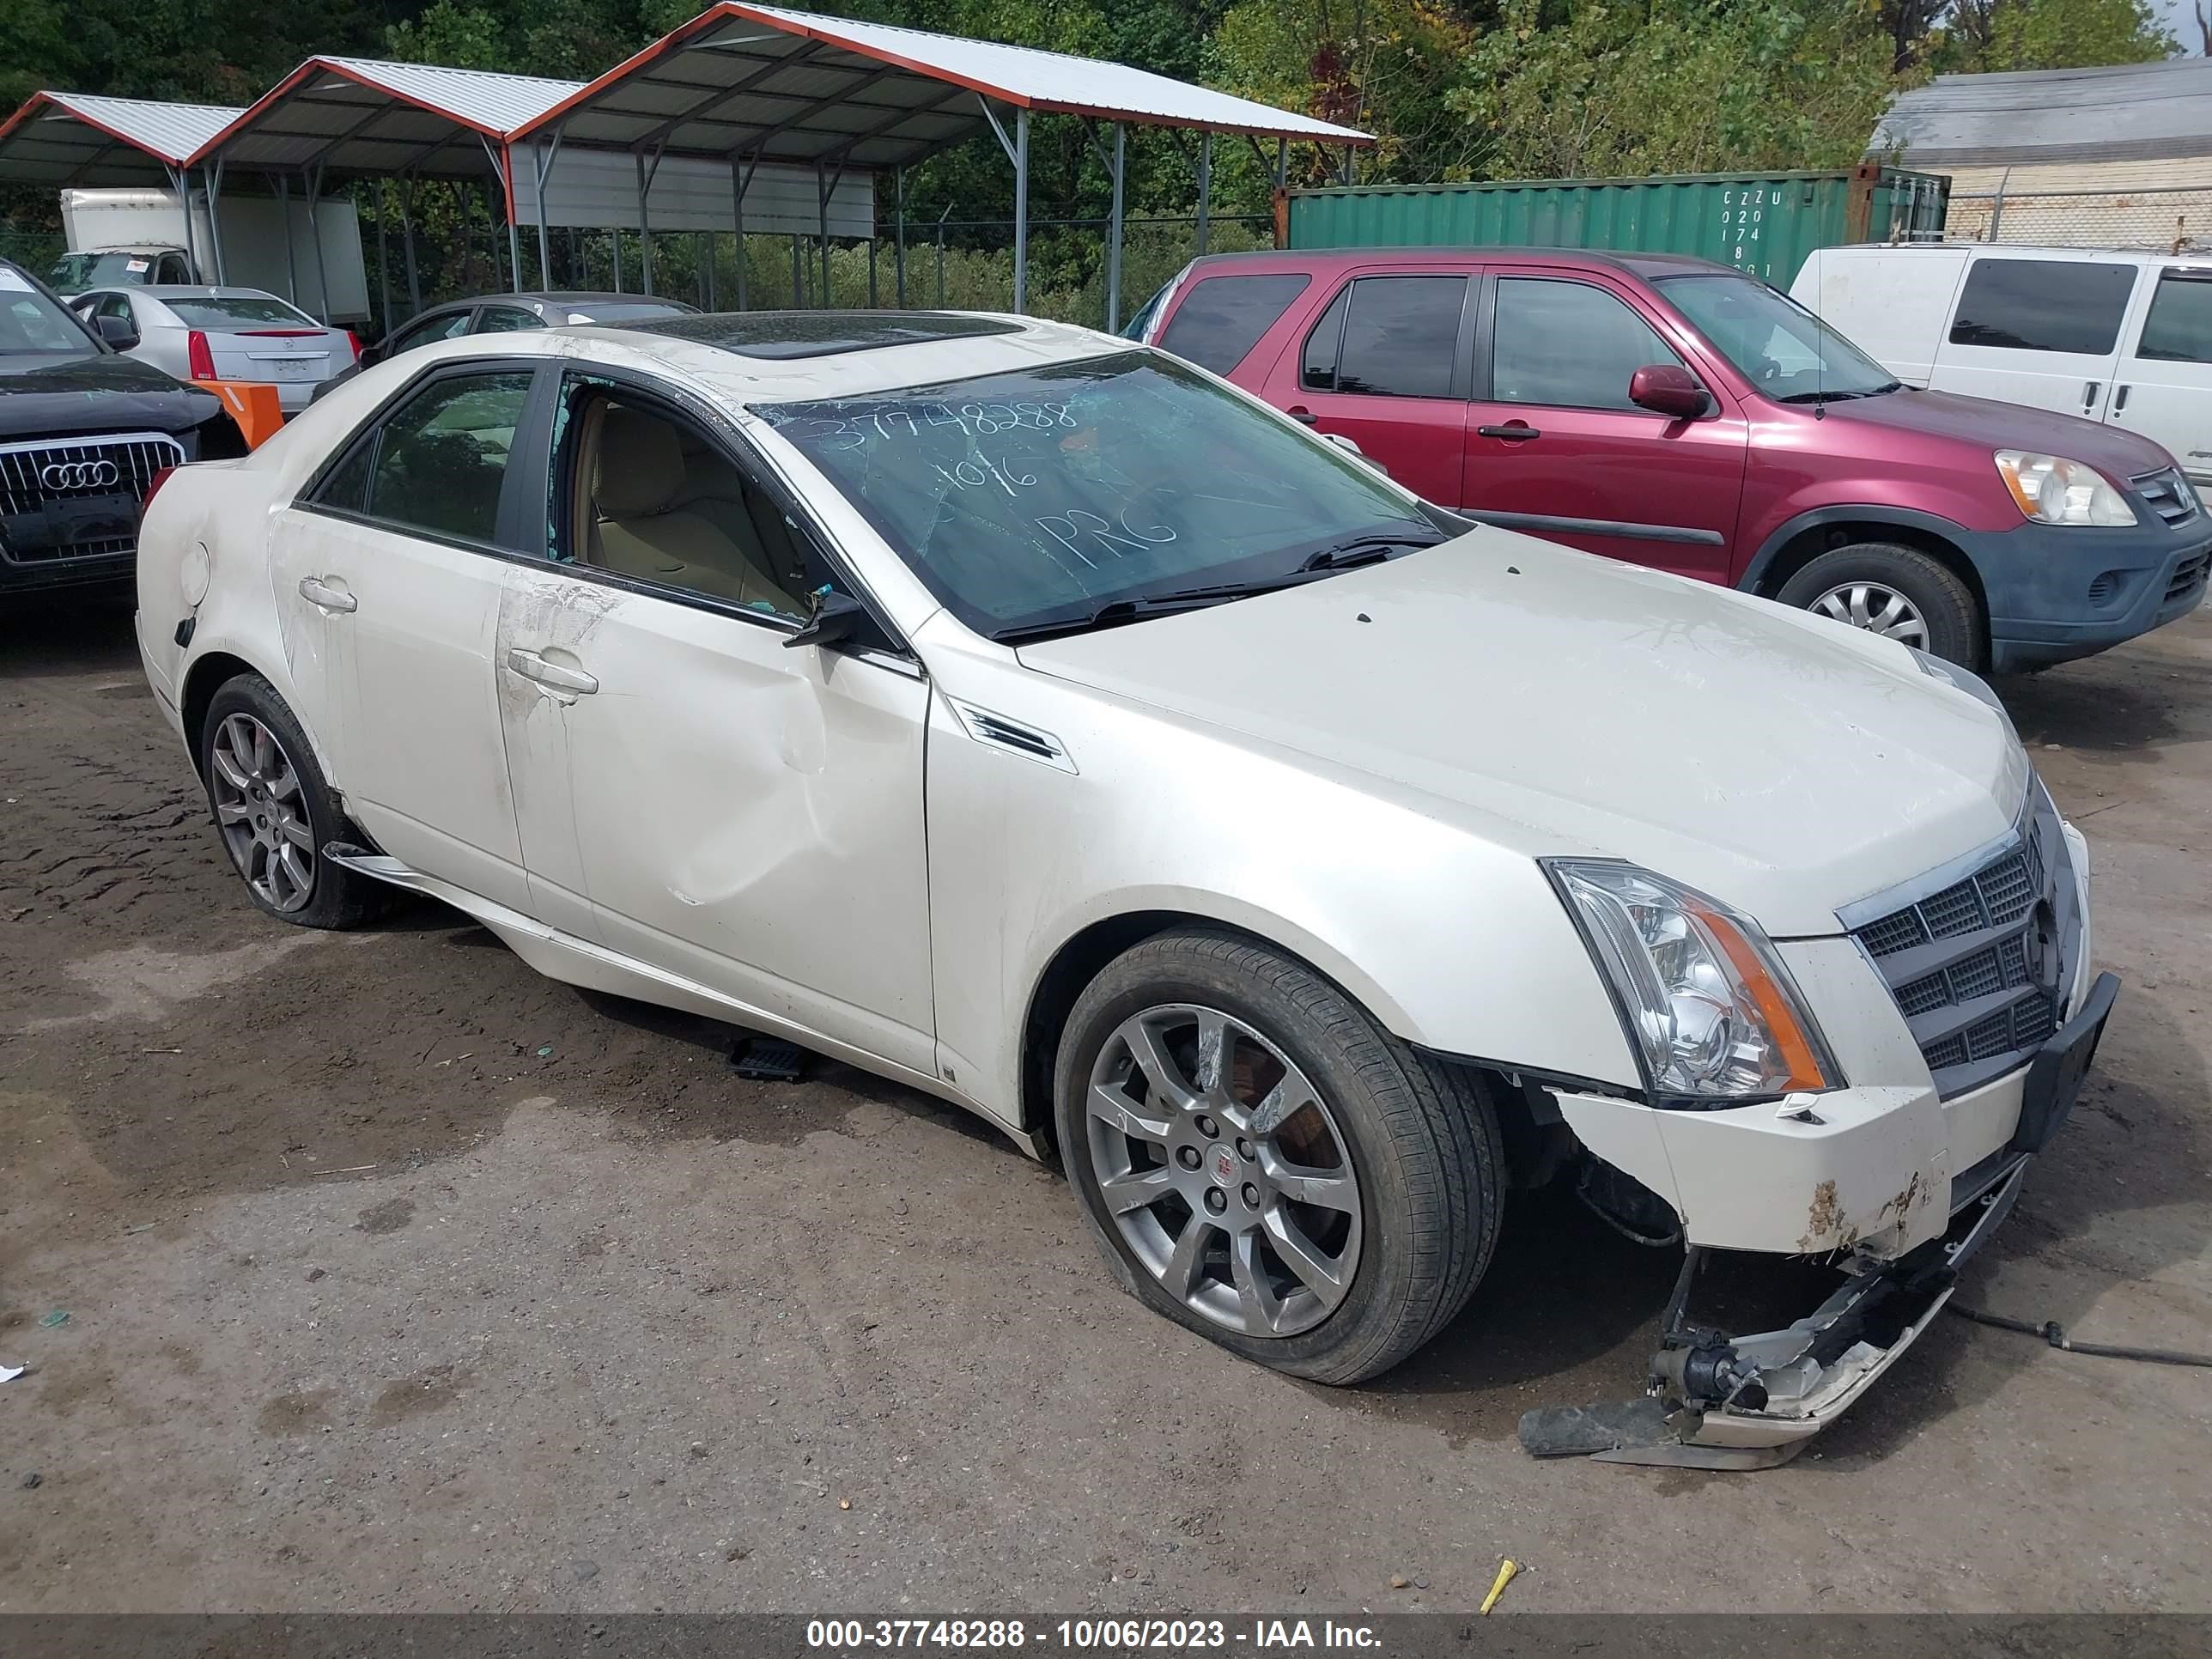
[
  {"x": 1330, "y": 261},
  {"x": 190, "y": 291},
  {"x": 802, "y": 356}
]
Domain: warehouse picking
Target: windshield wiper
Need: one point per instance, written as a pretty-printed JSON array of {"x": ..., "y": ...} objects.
[
  {"x": 1118, "y": 611},
  {"x": 1882, "y": 390},
  {"x": 1364, "y": 549}
]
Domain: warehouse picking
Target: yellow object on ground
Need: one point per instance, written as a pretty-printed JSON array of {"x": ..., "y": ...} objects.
[
  {"x": 1506, "y": 1569},
  {"x": 253, "y": 405}
]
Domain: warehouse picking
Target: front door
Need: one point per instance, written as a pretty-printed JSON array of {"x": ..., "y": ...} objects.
[
  {"x": 2044, "y": 332},
  {"x": 1385, "y": 366},
  {"x": 691, "y": 789},
  {"x": 2165, "y": 387},
  {"x": 1555, "y": 447},
  {"x": 388, "y": 574}
]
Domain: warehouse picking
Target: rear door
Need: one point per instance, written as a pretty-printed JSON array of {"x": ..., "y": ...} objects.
[
  {"x": 1385, "y": 363},
  {"x": 1555, "y": 447},
  {"x": 2043, "y": 331},
  {"x": 2165, "y": 387}
]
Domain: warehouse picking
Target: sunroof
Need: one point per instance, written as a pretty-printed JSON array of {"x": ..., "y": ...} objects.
[{"x": 787, "y": 334}]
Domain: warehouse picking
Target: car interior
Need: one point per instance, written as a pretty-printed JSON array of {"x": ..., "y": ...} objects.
[{"x": 656, "y": 500}]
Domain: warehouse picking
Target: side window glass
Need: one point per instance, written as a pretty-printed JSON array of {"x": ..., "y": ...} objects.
[
  {"x": 440, "y": 459},
  {"x": 2043, "y": 304},
  {"x": 1569, "y": 345},
  {"x": 447, "y": 327},
  {"x": 346, "y": 484},
  {"x": 1222, "y": 318},
  {"x": 1317, "y": 367},
  {"x": 1401, "y": 336},
  {"x": 2179, "y": 327},
  {"x": 504, "y": 319},
  {"x": 650, "y": 497}
]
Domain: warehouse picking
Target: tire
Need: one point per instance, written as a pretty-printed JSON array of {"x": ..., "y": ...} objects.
[
  {"x": 278, "y": 790},
  {"x": 1947, "y": 620},
  {"x": 1418, "y": 1140}
]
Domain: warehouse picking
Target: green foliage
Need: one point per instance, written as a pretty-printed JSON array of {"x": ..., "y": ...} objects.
[{"x": 1993, "y": 35}]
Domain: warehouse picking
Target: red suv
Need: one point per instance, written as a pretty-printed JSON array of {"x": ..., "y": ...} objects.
[{"x": 1677, "y": 413}]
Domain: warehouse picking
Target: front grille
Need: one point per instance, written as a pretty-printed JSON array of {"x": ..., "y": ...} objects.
[
  {"x": 77, "y": 499},
  {"x": 2169, "y": 495},
  {"x": 1977, "y": 965},
  {"x": 2189, "y": 576}
]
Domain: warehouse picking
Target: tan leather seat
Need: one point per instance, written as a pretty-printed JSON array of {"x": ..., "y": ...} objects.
[{"x": 638, "y": 529}]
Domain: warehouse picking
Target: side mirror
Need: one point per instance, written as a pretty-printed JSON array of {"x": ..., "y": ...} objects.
[
  {"x": 835, "y": 617},
  {"x": 117, "y": 331},
  {"x": 1669, "y": 389},
  {"x": 1356, "y": 451},
  {"x": 370, "y": 355}
]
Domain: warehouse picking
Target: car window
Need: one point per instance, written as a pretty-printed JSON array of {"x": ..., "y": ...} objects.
[
  {"x": 504, "y": 319},
  {"x": 1400, "y": 338},
  {"x": 644, "y": 492},
  {"x": 173, "y": 269},
  {"x": 1222, "y": 318},
  {"x": 1568, "y": 344},
  {"x": 2179, "y": 327},
  {"x": 2043, "y": 304},
  {"x": 446, "y": 326},
  {"x": 230, "y": 311},
  {"x": 113, "y": 304},
  {"x": 1036, "y": 497},
  {"x": 438, "y": 462}
]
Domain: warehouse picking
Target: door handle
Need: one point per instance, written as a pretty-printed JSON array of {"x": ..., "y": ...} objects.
[
  {"x": 1516, "y": 432},
  {"x": 2089, "y": 393},
  {"x": 316, "y": 592},
  {"x": 2120, "y": 399},
  {"x": 1302, "y": 417},
  {"x": 532, "y": 667}
]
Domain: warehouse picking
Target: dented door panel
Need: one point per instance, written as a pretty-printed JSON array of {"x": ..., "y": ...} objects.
[{"x": 741, "y": 812}]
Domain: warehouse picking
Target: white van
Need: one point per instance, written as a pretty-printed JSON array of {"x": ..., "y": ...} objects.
[{"x": 2105, "y": 333}]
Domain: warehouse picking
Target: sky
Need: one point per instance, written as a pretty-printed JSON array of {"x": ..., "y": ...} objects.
[{"x": 2180, "y": 17}]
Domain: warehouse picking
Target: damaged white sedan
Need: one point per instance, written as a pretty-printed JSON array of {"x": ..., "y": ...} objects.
[{"x": 1048, "y": 725}]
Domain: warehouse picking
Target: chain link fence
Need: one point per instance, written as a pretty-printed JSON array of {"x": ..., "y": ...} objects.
[{"x": 2166, "y": 220}]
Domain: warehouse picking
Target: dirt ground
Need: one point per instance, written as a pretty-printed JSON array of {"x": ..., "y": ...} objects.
[{"x": 399, "y": 1278}]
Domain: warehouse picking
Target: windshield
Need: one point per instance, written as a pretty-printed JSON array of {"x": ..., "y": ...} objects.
[
  {"x": 1027, "y": 499},
  {"x": 225, "y": 310},
  {"x": 30, "y": 322},
  {"x": 73, "y": 273},
  {"x": 1776, "y": 344}
]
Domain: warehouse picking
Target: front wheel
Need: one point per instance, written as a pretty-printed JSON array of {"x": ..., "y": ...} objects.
[
  {"x": 1898, "y": 592},
  {"x": 1265, "y": 1165}
]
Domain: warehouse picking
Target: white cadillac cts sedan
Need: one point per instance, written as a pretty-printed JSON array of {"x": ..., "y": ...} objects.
[{"x": 1042, "y": 723}]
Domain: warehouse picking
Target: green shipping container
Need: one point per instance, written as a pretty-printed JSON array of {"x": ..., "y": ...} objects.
[{"x": 1761, "y": 223}]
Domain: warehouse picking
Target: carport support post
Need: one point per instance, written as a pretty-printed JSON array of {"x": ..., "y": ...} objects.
[
  {"x": 181, "y": 182},
  {"x": 644, "y": 225},
  {"x": 211, "y": 182},
  {"x": 314, "y": 182},
  {"x": 291, "y": 261},
  {"x": 383, "y": 262},
  {"x": 898, "y": 232},
  {"x": 407, "y": 243},
  {"x": 1021, "y": 211},
  {"x": 1204, "y": 189},
  {"x": 1114, "y": 246},
  {"x": 795, "y": 297},
  {"x": 738, "y": 219},
  {"x": 705, "y": 243},
  {"x": 822, "y": 207}
]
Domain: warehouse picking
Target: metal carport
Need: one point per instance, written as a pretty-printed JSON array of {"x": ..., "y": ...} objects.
[
  {"x": 744, "y": 84},
  {"x": 74, "y": 140}
]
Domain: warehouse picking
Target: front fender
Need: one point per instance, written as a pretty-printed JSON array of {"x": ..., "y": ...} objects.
[
  {"x": 1450, "y": 940},
  {"x": 1930, "y": 524}
]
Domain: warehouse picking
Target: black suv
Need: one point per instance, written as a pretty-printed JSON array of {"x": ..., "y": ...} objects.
[{"x": 83, "y": 434}]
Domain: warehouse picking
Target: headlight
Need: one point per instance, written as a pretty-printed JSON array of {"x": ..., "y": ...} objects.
[
  {"x": 2051, "y": 489},
  {"x": 1709, "y": 1006}
]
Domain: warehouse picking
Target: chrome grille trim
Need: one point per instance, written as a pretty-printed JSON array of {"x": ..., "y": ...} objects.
[
  {"x": 26, "y": 537},
  {"x": 1977, "y": 954},
  {"x": 2168, "y": 492}
]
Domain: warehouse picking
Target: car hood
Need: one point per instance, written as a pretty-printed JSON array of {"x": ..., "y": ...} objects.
[
  {"x": 1560, "y": 704},
  {"x": 41, "y": 396},
  {"x": 1986, "y": 424}
]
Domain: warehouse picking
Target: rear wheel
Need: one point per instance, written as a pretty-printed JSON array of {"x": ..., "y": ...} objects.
[
  {"x": 275, "y": 811},
  {"x": 1898, "y": 592},
  {"x": 1265, "y": 1165}
]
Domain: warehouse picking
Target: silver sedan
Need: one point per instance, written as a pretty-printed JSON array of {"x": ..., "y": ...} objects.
[{"x": 201, "y": 333}]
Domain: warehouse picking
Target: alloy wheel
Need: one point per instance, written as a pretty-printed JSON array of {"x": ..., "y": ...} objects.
[
  {"x": 1222, "y": 1169},
  {"x": 1877, "y": 608},
  {"x": 263, "y": 813}
]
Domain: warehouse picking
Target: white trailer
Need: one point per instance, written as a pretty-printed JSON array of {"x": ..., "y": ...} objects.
[{"x": 253, "y": 249}]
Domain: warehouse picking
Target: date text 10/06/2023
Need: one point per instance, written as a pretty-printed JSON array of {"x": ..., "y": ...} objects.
[{"x": 1088, "y": 1635}]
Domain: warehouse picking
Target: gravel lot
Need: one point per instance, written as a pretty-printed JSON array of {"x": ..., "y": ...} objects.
[{"x": 399, "y": 1278}]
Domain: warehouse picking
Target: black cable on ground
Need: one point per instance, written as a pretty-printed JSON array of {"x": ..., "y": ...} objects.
[{"x": 2055, "y": 1333}]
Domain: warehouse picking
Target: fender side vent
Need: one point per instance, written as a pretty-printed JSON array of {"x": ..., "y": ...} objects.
[{"x": 1001, "y": 733}]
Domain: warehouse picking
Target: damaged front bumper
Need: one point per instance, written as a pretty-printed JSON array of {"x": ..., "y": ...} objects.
[{"x": 1717, "y": 1400}]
